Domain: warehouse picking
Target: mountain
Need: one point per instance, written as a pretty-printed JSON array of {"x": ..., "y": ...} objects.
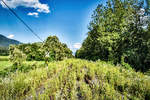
[{"x": 5, "y": 42}]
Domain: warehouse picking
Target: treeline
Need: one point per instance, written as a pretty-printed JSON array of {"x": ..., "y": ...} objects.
[
  {"x": 51, "y": 50},
  {"x": 119, "y": 32},
  {"x": 4, "y": 51}
]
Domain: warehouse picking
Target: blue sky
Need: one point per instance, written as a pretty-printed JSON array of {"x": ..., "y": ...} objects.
[{"x": 67, "y": 19}]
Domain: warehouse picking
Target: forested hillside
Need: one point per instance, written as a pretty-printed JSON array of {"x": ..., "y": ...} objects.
[
  {"x": 5, "y": 43},
  {"x": 120, "y": 33}
]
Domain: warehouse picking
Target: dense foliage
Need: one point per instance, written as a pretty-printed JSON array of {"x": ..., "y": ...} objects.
[
  {"x": 55, "y": 49},
  {"x": 119, "y": 32},
  {"x": 52, "y": 50},
  {"x": 4, "y": 51},
  {"x": 74, "y": 79},
  {"x": 32, "y": 51},
  {"x": 16, "y": 56}
]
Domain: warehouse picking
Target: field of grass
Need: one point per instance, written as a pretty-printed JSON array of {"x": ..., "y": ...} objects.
[
  {"x": 5, "y": 64},
  {"x": 4, "y": 58},
  {"x": 74, "y": 79}
]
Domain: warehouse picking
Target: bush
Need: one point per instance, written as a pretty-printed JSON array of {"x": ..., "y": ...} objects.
[{"x": 17, "y": 57}]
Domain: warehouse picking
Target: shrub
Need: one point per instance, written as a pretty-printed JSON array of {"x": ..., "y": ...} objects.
[{"x": 17, "y": 57}]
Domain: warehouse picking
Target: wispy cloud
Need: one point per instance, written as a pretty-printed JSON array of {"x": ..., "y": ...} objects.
[
  {"x": 35, "y": 14},
  {"x": 39, "y": 7},
  {"x": 77, "y": 45},
  {"x": 11, "y": 36}
]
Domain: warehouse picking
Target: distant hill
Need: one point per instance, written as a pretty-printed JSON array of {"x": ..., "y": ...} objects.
[{"x": 5, "y": 42}]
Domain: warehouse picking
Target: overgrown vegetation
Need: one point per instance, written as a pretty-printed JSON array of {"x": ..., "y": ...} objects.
[
  {"x": 118, "y": 46},
  {"x": 52, "y": 50},
  {"x": 119, "y": 32},
  {"x": 75, "y": 79}
]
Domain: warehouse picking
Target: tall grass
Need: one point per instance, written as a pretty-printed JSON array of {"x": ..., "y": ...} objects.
[{"x": 75, "y": 79}]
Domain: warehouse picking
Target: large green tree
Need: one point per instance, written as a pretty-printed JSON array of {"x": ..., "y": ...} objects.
[
  {"x": 119, "y": 31},
  {"x": 51, "y": 49},
  {"x": 55, "y": 50}
]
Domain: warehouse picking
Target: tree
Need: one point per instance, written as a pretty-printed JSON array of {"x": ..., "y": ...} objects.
[
  {"x": 32, "y": 51},
  {"x": 17, "y": 57},
  {"x": 55, "y": 49},
  {"x": 50, "y": 50},
  {"x": 120, "y": 29}
]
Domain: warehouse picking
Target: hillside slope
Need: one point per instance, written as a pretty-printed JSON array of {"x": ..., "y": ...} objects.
[
  {"x": 75, "y": 79},
  {"x": 5, "y": 42}
]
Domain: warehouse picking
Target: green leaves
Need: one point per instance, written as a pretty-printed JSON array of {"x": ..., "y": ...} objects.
[
  {"x": 51, "y": 50},
  {"x": 56, "y": 50},
  {"x": 17, "y": 57},
  {"x": 119, "y": 28}
]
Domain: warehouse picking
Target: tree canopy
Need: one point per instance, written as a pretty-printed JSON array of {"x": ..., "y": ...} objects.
[
  {"x": 119, "y": 32},
  {"x": 52, "y": 49}
]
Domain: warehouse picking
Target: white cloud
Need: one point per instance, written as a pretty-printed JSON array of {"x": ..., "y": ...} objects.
[
  {"x": 33, "y": 14},
  {"x": 11, "y": 36},
  {"x": 77, "y": 45},
  {"x": 39, "y": 7}
]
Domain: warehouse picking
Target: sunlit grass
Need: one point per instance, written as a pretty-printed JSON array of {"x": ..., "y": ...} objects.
[
  {"x": 5, "y": 64},
  {"x": 74, "y": 79},
  {"x": 4, "y": 58}
]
